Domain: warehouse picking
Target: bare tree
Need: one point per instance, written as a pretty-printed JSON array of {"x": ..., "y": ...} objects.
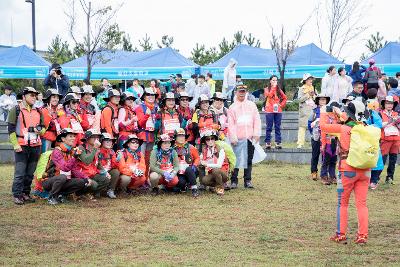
[
  {"x": 284, "y": 46},
  {"x": 98, "y": 24},
  {"x": 339, "y": 22}
]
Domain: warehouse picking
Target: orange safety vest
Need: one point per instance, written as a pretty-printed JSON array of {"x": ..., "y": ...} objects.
[
  {"x": 114, "y": 119},
  {"x": 214, "y": 158},
  {"x": 169, "y": 123},
  {"x": 385, "y": 135},
  {"x": 25, "y": 120}
]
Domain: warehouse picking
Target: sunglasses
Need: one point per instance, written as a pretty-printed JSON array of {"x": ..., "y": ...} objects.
[
  {"x": 134, "y": 142},
  {"x": 185, "y": 99},
  {"x": 74, "y": 101}
]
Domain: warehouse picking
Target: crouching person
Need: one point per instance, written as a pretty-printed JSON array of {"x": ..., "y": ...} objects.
[
  {"x": 132, "y": 164},
  {"x": 164, "y": 164},
  {"x": 62, "y": 176},
  {"x": 108, "y": 160},
  {"x": 188, "y": 162},
  {"x": 214, "y": 165},
  {"x": 90, "y": 164}
]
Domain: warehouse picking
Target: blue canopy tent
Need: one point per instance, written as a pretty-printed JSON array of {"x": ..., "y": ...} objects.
[
  {"x": 22, "y": 63},
  {"x": 121, "y": 65},
  {"x": 259, "y": 63},
  {"x": 387, "y": 58}
]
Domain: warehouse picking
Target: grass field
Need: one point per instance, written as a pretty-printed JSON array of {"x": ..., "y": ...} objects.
[{"x": 286, "y": 220}]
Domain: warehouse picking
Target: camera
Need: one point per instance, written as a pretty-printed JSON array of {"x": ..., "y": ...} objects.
[
  {"x": 58, "y": 71},
  {"x": 31, "y": 129},
  {"x": 329, "y": 109}
]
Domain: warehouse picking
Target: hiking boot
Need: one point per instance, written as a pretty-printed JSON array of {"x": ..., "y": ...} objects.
[
  {"x": 226, "y": 186},
  {"x": 155, "y": 191},
  {"x": 325, "y": 180},
  {"x": 61, "y": 199},
  {"x": 339, "y": 238},
  {"x": 389, "y": 180},
  {"x": 195, "y": 192},
  {"x": 28, "y": 198},
  {"x": 361, "y": 239},
  {"x": 268, "y": 146},
  {"x": 19, "y": 200},
  {"x": 314, "y": 176},
  {"x": 111, "y": 194},
  {"x": 332, "y": 180},
  {"x": 202, "y": 187},
  {"x": 234, "y": 185},
  {"x": 248, "y": 184},
  {"x": 53, "y": 201},
  {"x": 373, "y": 186},
  {"x": 219, "y": 190},
  {"x": 278, "y": 146}
]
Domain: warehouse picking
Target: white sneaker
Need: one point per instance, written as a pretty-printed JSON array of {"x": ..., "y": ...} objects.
[{"x": 111, "y": 194}]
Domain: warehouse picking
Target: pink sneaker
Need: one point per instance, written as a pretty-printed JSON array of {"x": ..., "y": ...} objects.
[{"x": 373, "y": 186}]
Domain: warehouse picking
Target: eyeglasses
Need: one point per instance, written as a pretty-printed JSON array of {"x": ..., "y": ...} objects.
[
  {"x": 74, "y": 101},
  {"x": 209, "y": 139}
]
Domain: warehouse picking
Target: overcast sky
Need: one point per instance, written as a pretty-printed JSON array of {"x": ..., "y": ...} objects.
[{"x": 189, "y": 22}]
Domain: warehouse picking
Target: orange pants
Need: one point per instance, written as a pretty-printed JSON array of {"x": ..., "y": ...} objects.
[{"x": 357, "y": 181}]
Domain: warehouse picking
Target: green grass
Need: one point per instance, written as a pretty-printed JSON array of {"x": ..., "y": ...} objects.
[{"x": 286, "y": 220}]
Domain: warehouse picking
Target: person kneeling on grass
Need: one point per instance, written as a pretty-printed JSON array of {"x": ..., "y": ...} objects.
[
  {"x": 63, "y": 176},
  {"x": 214, "y": 165},
  {"x": 132, "y": 164},
  {"x": 188, "y": 162},
  {"x": 164, "y": 164},
  {"x": 108, "y": 159},
  {"x": 90, "y": 165}
]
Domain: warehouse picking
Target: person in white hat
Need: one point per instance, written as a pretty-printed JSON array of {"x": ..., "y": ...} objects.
[
  {"x": 203, "y": 118},
  {"x": 221, "y": 112},
  {"x": 306, "y": 105}
]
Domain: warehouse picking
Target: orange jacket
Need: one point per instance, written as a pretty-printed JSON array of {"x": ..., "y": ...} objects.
[
  {"x": 343, "y": 133},
  {"x": 192, "y": 156},
  {"x": 272, "y": 98},
  {"x": 388, "y": 118},
  {"x": 128, "y": 163},
  {"x": 109, "y": 119},
  {"x": 50, "y": 119}
]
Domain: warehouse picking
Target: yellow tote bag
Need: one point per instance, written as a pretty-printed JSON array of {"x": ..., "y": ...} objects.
[{"x": 364, "y": 147}]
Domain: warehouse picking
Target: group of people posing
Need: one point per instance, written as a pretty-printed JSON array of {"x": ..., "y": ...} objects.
[{"x": 132, "y": 141}]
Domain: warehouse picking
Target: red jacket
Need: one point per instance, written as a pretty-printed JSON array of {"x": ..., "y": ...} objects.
[
  {"x": 394, "y": 116},
  {"x": 51, "y": 123},
  {"x": 77, "y": 122},
  {"x": 272, "y": 98},
  {"x": 146, "y": 133},
  {"x": 108, "y": 159}
]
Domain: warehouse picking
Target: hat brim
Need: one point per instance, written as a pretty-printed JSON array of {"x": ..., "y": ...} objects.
[
  {"x": 58, "y": 138},
  {"x": 125, "y": 145},
  {"x": 203, "y": 141},
  {"x": 159, "y": 142},
  {"x": 316, "y": 100},
  {"x": 144, "y": 95},
  {"x": 383, "y": 104}
]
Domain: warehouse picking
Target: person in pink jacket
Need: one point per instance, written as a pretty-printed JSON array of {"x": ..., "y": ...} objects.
[{"x": 244, "y": 127}]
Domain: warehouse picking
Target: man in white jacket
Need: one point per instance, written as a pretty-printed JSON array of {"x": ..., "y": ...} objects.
[
  {"x": 329, "y": 83},
  {"x": 7, "y": 101},
  {"x": 229, "y": 82}
]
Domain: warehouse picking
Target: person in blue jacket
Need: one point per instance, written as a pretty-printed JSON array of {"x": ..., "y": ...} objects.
[{"x": 357, "y": 71}]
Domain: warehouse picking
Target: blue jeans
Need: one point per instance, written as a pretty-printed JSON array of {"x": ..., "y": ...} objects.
[{"x": 271, "y": 119}]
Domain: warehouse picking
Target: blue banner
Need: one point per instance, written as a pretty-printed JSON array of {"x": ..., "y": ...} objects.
[
  {"x": 31, "y": 72},
  {"x": 291, "y": 72},
  {"x": 389, "y": 69},
  {"x": 79, "y": 73}
]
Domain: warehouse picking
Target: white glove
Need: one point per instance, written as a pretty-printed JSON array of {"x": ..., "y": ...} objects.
[{"x": 138, "y": 172}]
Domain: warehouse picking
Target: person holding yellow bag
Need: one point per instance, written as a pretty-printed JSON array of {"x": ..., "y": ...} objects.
[{"x": 350, "y": 178}]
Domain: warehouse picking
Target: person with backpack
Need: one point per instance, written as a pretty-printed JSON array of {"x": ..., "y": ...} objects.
[
  {"x": 306, "y": 105},
  {"x": 244, "y": 130},
  {"x": 275, "y": 102},
  {"x": 25, "y": 126},
  {"x": 88, "y": 109},
  {"x": 108, "y": 160},
  {"x": 203, "y": 118},
  {"x": 146, "y": 113},
  {"x": 372, "y": 75},
  {"x": 221, "y": 113},
  {"x": 186, "y": 114},
  {"x": 214, "y": 165},
  {"x": 89, "y": 164},
  {"x": 189, "y": 161},
  {"x": 390, "y": 135},
  {"x": 164, "y": 165},
  {"x": 63, "y": 176},
  {"x": 50, "y": 113},
  {"x": 127, "y": 119},
  {"x": 71, "y": 117},
  {"x": 132, "y": 164},
  {"x": 352, "y": 177},
  {"x": 168, "y": 119},
  {"x": 109, "y": 115}
]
